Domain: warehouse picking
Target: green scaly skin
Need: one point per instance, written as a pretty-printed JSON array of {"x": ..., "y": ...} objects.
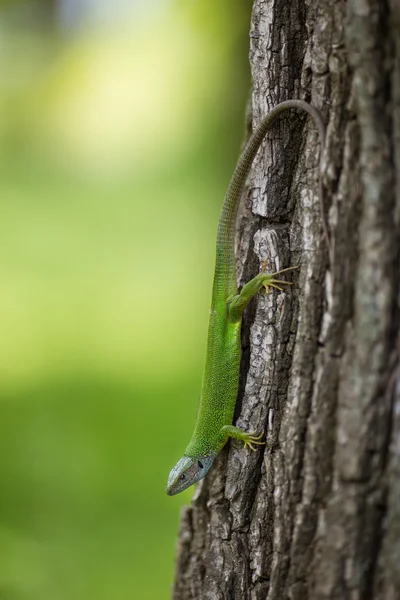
[{"x": 221, "y": 373}]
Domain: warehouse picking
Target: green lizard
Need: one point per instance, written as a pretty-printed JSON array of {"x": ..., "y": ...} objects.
[{"x": 221, "y": 373}]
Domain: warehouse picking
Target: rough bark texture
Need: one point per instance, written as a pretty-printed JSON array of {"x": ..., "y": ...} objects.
[{"x": 316, "y": 515}]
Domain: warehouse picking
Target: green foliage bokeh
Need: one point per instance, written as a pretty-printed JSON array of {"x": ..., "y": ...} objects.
[{"x": 117, "y": 145}]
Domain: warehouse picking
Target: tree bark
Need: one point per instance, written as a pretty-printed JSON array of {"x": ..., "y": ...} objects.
[{"x": 317, "y": 514}]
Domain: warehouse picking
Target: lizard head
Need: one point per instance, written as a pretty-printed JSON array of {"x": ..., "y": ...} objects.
[{"x": 186, "y": 472}]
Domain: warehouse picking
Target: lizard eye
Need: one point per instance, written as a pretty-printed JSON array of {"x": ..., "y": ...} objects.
[
  {"x": 200, "y": 464},
  {"x": 182, "y": 477}
]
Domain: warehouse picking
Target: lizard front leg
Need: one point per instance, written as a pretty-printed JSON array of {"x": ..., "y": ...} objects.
[{"x": 250, "y": 440}]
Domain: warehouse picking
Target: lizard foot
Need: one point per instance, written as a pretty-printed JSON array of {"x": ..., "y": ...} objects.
[
  {"x": 271, "y": 281},
  {"x": 252, "y": 440}
]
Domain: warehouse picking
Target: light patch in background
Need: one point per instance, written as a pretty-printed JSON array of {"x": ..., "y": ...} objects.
[
  {"x": 108, "y": 106},
  {"x": 115, "y": 101},
  {"x": 78, "y": 13}
]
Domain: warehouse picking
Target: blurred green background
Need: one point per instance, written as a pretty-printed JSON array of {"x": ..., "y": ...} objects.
[{"x": 120, "y": 124}]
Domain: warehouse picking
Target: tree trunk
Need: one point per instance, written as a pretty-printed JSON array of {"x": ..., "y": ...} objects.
[{"x": 317, "y": 514}]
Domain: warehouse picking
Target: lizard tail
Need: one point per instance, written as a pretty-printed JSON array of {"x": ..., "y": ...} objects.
[{"x": 225, "y": 261}]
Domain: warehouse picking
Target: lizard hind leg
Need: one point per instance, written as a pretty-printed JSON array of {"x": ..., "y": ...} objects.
[
  {"x": 269, "y": 279},
  {"x": 237, "y": 303}
]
